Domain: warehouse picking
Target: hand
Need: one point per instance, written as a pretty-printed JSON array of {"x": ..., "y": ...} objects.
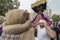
[{"x": 45, "y": 24}]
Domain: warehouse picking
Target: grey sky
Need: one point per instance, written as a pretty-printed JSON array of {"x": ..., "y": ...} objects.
[{"x": 54, "y": 5}]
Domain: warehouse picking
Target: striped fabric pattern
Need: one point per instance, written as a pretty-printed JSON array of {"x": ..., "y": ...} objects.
[
  {"x": 9, "y": 37},
  {"x": 39, "y": 16}
]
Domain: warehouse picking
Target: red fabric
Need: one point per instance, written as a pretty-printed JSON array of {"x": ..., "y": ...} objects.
[
  {"x": 39, "y": 16},
  {"x": 37, "y": 20}
]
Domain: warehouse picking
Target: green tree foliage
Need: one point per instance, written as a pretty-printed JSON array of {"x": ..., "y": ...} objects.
[
  {"x": 56, "y": 17},
  {"x": 6, "y": 5}
]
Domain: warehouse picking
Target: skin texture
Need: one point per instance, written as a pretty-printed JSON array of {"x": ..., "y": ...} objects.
[{"x": 41, "y": 25}]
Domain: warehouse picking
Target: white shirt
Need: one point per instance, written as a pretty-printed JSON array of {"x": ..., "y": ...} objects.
[{"x": 42, "y": 34}]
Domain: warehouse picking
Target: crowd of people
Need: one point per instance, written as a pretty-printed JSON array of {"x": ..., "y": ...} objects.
[{"x": 17, "y": 25}]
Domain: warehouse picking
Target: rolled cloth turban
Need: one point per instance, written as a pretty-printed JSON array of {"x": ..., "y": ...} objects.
[{"x": 42, "y": 21}]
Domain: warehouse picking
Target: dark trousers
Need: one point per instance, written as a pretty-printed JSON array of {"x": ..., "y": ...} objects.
[{"x": 57, "y": 34}]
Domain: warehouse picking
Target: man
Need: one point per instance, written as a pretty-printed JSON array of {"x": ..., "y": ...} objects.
[
  {"x": 1, "y": 21},
  {"x": 56, "y": 28},
  {"x": 43, "y": 31}
]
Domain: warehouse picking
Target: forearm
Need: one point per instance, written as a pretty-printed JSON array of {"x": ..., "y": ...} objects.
[
  {"x": 17, "y": 28},
  {"x": 50, "y": 32}
]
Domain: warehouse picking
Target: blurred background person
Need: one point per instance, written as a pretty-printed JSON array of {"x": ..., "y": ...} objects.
[{"x": 1, "y": 21}]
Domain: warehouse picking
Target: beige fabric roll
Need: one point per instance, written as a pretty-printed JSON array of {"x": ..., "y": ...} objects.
[{"x": 18, "y": 22}]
